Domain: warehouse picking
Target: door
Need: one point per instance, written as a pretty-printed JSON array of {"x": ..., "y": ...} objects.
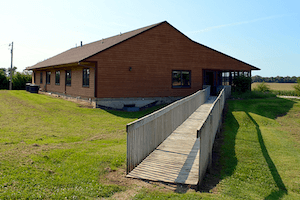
[{"x": 210, "y": 79}]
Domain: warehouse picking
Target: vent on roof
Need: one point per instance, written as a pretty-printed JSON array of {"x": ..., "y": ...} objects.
[
  {"x": 120, "y": 33},
  {"x": 81, "y": 43}
]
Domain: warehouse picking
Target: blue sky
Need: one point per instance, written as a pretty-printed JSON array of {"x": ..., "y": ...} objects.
[{"x": 263, "y": 33}]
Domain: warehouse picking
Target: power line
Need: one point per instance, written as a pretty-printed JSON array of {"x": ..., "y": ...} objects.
[
  {"x": 4, "y": 45},
  {"x": 30, "y": 48}
]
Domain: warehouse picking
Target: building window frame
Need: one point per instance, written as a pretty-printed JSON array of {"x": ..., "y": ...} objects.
[
  {"x": 57, "y": 77},
  {"x": 181, "y": 79},
  {"x": 68, "y": 78},
  {"x": 48, "y": 77},
  {"x": 226, "y": 78},
  {"x": 86, "y": 77},
  {"x": 41, "y": 77}
]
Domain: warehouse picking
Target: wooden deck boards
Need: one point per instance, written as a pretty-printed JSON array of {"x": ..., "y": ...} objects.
[{"x": 176, "y": 159}]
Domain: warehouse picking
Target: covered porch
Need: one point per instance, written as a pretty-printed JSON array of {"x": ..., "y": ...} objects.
[{"x": 216, "y": 78}]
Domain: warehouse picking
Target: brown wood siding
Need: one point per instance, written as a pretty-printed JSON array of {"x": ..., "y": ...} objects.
[
  {"x": 152, "y": 56},
  {"x": 76, "y": 88}
]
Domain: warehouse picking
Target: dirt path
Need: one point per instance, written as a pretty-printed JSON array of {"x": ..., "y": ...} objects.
[
  {"x": 134, "y": 186},
  {"x": 289, "y": 97}
]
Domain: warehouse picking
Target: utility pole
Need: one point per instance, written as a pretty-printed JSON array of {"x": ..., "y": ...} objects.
[{"x": 11, "y": 66}]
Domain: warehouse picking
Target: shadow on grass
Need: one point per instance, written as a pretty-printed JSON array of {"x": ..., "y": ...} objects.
[
  {"x": 134, "y": 115},
  {"x": 223, "y": 151},
  {"x": 224, "y": 157},
  {"x": 276, "y": 176}
]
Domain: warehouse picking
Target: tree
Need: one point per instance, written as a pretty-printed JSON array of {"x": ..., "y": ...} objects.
[
  {"x": 277, "y": 79},
  {"x": 3, "y": 80},
  {"x": 4, "y": 70},
  {"x": 20, "y": 80},
  {"x": 13, "y": 70},
  {"x": 241, "y": 84},
  {"x": 297, "y": 87},
  {"x": 27, "y": 72}
]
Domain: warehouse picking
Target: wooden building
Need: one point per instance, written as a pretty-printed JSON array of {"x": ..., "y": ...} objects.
[{"x": 154, "y": 62}]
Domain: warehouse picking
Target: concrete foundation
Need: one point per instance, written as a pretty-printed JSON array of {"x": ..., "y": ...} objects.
[
  {"x": 121, "y": 103},
  {"x": 84, "y": 101},
  {"x": 127, "y": 104}
]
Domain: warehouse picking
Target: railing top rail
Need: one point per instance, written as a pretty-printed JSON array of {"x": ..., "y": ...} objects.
[
  {"x": 148, "y": 118},
  {"x": 212, "y": 107},
  {"x": 217, "y": 99}
]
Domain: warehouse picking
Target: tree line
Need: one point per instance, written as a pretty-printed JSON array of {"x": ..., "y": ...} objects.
[
  {"x": 277, "y": 79},
  {"x": 19, "y": 79}
]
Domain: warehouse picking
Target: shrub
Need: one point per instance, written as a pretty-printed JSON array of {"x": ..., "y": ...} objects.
[
  {"x": 20, "y": 80},
  {"x": 263, "y": 87},
  {"x": 3, "y": 80},
  {"x": 297, "y": 87},
  {"x": 285, "y": 92},
  {"x": 241, "y": 84}
]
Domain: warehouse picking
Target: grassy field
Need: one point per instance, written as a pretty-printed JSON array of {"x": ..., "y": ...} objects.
[
  {"x": 280, "y": 89},
  {"x": 261, "y": 149},
  {"x": 54, "y": 149},
  {"x": 277, "y": 86}
]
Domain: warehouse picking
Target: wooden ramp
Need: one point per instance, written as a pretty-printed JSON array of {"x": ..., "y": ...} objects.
[{"x": 176, "y": 159}]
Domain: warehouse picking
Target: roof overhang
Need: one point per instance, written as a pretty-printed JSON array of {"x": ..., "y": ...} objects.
[{"x": 64, "y": 66}]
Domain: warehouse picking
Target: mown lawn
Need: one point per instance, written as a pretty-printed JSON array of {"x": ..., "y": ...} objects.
[
  {"x": 261, "y": 152},
  {"x": 54, "y": 149},
  {"x": 51, "y": 148}
]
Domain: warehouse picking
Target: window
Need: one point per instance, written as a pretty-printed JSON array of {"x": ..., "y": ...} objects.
[
  {"x": 181, "y": 79},
  {"x": 48, "y": 75},
  {"x": 57, "y": 77},
  {"x": 247, "y": 74},
  {"x": 225, "y": 78},
  {"x": 33, "y": 77},
  {"x": 68, "y": 77},
  {"x": 86, "y": 77},
  {"x": 41, "y": 77}
]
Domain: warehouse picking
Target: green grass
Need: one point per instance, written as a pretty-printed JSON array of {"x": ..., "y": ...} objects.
[
  {"x": 260, "y": 156},
  {"x": 54, "y": 149},
  {"x": 252, "y": 95}
]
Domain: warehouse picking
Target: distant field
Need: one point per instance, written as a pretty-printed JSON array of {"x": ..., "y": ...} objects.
[{"x": 278, "y": 86}]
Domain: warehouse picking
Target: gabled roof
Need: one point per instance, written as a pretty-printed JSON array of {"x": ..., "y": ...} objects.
[{"x": 80, "y": 53}]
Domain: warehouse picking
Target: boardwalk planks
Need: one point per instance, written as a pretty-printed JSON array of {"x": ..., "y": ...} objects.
[{"x": 176, "y": 160}]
